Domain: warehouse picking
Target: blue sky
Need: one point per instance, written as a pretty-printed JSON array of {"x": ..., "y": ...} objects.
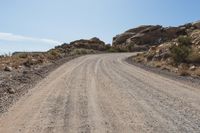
[{"x": 32, "y": 25}]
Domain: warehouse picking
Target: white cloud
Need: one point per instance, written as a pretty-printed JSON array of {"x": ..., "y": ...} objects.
[{"x": 13, "y": 37}]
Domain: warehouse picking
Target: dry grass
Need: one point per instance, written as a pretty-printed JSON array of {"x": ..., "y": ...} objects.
[{"x": 16, "y": 61}]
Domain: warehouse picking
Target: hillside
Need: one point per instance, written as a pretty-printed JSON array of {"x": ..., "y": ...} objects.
[
  {"x": 175, "y": 49},
  {"x": 22, "y": 70}
]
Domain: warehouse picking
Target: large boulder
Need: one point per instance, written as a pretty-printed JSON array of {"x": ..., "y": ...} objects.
[
  {"x": 8, "y": 69},
  {"x": 93, "y": 43},
  {"x": 120, "y": 39},
  {"x": 148, "y": 35}
]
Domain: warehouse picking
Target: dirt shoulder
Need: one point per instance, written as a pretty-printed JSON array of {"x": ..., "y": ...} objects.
[
  {"x": 15, "y": 84},
  {"x": 192, "y": 81}
]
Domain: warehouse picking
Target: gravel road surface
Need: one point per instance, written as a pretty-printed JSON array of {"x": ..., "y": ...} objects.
[{"x": 104, "y": 94}]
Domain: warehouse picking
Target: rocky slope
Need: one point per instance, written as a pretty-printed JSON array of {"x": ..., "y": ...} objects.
[
  {"x": 143, "y": 37},
  {"x": 21, "y": 71},
  {"x": 179, "y": 53}
]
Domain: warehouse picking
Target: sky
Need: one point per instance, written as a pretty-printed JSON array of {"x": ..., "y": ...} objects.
[{"x": 38, "y": 25}]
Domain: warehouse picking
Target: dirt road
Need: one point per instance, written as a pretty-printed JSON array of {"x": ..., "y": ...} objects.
[{"x": 103, "y": 94}]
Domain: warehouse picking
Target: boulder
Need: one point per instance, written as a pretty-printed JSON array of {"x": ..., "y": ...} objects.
[
  {"x": 93, "y": 43},
  {"x": 11, "y": 90},
  {"x": 120, "y": 39},
  {"x": 148, "y": 35},
  {"x": 153, "y": 48},
  {"x": 195, "y": 36},
  {"x": 8, "y": 69},
  {"x": 192, "y": 68}
]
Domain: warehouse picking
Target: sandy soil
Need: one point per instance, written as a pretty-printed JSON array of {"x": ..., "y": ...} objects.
[{"x": 103, "y": 93}]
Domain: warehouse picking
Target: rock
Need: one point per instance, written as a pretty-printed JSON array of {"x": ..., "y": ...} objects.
[
  {"x": 11, "y": 90},
  {"x": 148, "y": 35},
  {"x": 182, "y": 28},
  {"x": 153, "y": 48},
  {"x": 192, "y": 68},
  {"x": 176, "y": 70},
  {"x": 93, "y": 43},
  {"x": 26, "y": 72},
  {"x": 8, "y": 68},
  {"x": 195, "y": 36},
  {"x": 122, "y": 38},
  {"x": 21, "y": 67},
  {"x": 158, "y": 51},
  {"x": 196, "y": 24},
  {"x": 95, "y": 39}
]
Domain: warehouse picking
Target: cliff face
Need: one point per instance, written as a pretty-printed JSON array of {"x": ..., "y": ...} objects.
[{"x": 143, "y": 37}]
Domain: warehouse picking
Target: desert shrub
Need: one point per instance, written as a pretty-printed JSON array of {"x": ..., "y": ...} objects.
[
  {"x": 181, "y": 51},
  {"x": 130, "y": 47},
  {"x": 82, "y": 51},
  {"x": 107, "y": 47},
  {"x": 23, "y": 55},
  {"x": 184, "y": 40},
  {"x": 53, "y": 54},
  {"x": 121, "y": 49},
  {"x": 112, "y": 50}
]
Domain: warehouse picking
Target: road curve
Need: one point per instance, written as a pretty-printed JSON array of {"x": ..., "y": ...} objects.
[{"x": 104, "y": 94}]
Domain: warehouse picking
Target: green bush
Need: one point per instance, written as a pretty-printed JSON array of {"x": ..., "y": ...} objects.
[
  {"x": 184, "y": 40},
  {"x": 181, "y": 51}
]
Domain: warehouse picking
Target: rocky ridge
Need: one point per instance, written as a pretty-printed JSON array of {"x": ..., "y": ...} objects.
[
  {"x": 179, "y": 53},
  {"x": 143, "y": 37}
]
